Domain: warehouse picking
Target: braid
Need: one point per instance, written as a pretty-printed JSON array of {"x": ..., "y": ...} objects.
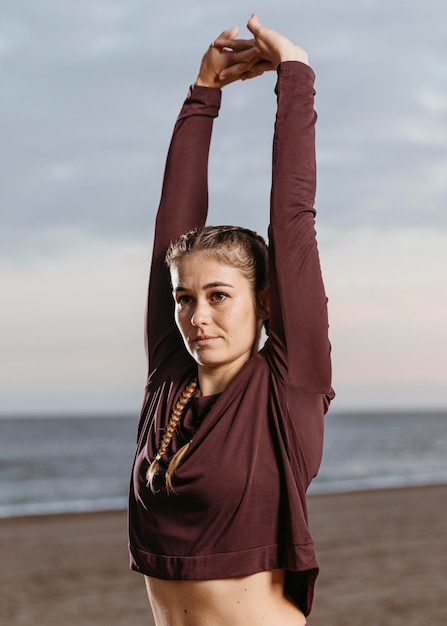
[
  {"x": 173, "y": 464},
  {"x": 177, "y": 412}
]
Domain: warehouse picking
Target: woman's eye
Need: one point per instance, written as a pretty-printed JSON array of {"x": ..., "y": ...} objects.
[
  {"x": 218, "y": 297},
  {"x": 184, "y": 300}
]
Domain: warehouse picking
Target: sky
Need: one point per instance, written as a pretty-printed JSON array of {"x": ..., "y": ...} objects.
[{"x": 88, "y": 97}]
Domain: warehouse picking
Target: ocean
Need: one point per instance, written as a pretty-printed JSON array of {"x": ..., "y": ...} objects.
[{"x": 79, "y": 463}]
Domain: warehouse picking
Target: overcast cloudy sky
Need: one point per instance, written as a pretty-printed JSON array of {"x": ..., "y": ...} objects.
[{"x": 89, "y": 93}]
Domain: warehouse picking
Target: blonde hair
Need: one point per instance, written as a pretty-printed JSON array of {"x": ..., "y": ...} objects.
[
  {"x": 179, "y": 408},
  {"x": 231, "y": 245}
]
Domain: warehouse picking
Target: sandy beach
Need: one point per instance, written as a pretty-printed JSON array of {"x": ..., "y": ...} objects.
[{"x": 383, "y": 558}]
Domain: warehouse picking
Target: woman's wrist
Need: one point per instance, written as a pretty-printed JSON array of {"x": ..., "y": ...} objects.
[
  {"x": 293, "y": 53},
  {"x": 200, "y": 82}
]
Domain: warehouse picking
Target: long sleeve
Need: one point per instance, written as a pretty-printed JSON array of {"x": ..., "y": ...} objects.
[
  {"x": 298, "y": 326},
  {"x": 266, "y": 425},
  {"x": 183, "y": 206}
]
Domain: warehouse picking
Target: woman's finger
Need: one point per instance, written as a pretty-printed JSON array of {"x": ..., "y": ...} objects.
[
  {"x": 230, "y": 59},
  {"x": 250, "y": 54},
  {"x": 241, "y": 66},
  {"x": 234, "y": 44},
  {"x": 234, "y": 71},
  {"x": 254, "y": 25},
  {"x": 229, "y": 33}
]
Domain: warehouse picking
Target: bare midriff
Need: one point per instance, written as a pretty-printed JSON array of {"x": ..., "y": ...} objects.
[{"x": 253, "y": 600}]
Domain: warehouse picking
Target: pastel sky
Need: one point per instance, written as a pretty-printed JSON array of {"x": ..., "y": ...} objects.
[{"x": 89, "y": 94}]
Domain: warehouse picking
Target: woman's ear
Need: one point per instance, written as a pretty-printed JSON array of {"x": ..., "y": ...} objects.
[{"x": 263, "y": 303}]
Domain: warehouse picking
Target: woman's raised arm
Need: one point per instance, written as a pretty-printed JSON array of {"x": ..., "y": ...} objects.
[
  {"x": 183, "y": 206},
  {"x": 184, "y": 198}
]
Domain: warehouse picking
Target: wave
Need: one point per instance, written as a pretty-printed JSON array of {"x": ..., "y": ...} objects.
[
  {"x": 367, "y": 483},
  {"x": 26, "y": 509}
]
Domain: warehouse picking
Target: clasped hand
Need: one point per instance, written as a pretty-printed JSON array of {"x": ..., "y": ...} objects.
[{"x": 229, "y": 59}]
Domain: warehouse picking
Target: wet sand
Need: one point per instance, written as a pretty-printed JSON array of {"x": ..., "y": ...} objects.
[{"x": 383, "y": 559}]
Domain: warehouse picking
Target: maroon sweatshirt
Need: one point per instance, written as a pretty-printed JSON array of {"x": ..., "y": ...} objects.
[{"x": 239, "y": 506}]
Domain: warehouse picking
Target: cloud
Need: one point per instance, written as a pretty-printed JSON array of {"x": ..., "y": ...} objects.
[
  {"x": 387, "y": 313},
  {"x": 90, "y": 92},
  {"x": 72, "y": 330}
]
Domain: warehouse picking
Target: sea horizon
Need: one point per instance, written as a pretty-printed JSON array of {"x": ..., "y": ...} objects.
[{"x": 68, "y": 463}]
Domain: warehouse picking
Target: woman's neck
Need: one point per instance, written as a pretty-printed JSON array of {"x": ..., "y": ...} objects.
[{"x": 214, "y": 380}]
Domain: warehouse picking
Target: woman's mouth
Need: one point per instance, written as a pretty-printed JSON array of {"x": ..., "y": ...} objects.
[{"x": 203, "y": 340}]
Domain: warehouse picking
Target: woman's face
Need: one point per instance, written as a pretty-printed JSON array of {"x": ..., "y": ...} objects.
[{"x": 215, "y": 311}]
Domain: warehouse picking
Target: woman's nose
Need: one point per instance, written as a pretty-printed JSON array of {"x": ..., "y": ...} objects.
[{"x": 201, "y": 315}]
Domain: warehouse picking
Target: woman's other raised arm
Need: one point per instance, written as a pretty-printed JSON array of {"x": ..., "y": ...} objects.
[{"x": 298, "y": 326}]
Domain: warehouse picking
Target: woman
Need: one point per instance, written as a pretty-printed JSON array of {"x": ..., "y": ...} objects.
[{"x": 230, "y": 437}]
